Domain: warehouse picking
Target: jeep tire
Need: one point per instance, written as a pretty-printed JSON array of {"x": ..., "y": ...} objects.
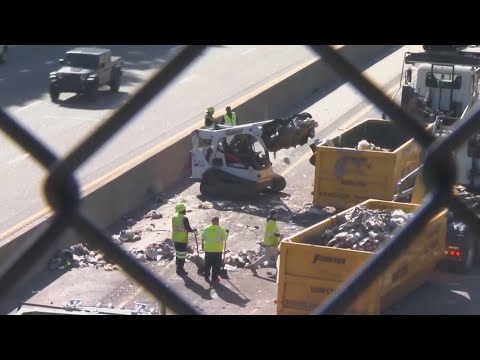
[
  {"x": 115, "y": 82},
  {"x": 54, "y": 93}
]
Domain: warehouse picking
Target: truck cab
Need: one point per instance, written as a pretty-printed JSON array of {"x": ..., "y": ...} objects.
[
  {"x": 440, "y": 82},
  {"x": 441, "y": 87}
]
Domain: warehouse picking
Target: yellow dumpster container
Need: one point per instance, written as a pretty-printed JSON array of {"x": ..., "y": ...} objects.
[
  {"x": 345, "y": 176},
  {"x": 308, "y": 274}
]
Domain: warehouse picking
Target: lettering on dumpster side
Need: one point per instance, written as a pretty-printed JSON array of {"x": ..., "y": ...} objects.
[
  {"x": 321, "y": 290},
  {"x": 329, "y": 259},
  {"x": 334, "y": 195},
  {"x": 351, "y": 165},
  {"x": 353, "y": 183},
  {"x": 295, "y": 304}
]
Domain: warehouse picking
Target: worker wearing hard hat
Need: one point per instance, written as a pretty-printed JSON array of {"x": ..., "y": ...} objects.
[
  {"x": 180, "y": 229},
  {"x": 209, "y": 119},
  {"x": 270, "y": 243},
  {"x": 230, "y": 118}
]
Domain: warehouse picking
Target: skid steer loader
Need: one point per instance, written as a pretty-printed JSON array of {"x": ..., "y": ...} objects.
[{"x": 234, "y": 163}]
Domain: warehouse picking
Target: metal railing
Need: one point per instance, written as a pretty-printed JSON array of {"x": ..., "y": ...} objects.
[{"x": 62, "y": 189}]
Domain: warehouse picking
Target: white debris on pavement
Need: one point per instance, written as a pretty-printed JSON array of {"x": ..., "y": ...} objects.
[
  {"x": 129, "y": 235},
  {"x": 69, "y": 257},
  {"x": 153, "y": 215},
  {"x": 205, "y": 205},
  {"x": 157, "y": 251}
]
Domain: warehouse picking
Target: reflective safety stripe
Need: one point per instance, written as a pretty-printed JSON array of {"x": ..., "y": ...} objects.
[{"x": 180, "y": 254}]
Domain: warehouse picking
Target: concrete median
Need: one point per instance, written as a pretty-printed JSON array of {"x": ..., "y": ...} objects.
[{"x": 129, "y": 186}]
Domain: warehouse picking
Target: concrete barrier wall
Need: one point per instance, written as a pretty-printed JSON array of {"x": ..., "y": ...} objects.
[{"x": 128, "y": 187}]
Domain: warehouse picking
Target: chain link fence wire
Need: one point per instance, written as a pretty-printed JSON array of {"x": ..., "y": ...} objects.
[{"x": 62, "y": 189}]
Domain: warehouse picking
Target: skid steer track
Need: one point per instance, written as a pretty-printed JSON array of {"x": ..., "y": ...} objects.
[{"x": 218, "y": 184}]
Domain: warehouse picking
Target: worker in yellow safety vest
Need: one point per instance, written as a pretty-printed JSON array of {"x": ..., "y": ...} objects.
[
  {"x": 270, "y": 243},
  {"x": 230, "y": 118},
  {"x": 180, "y": 229},
  {"x": 213, "y": 242},
  {"x": 209, "y": 119}
]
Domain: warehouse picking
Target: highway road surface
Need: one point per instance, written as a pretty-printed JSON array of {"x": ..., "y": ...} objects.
[{"x": 221, "y": 73}]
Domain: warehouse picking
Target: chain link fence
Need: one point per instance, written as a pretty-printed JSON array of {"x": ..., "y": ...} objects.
[{"x": 62, "y": 190}]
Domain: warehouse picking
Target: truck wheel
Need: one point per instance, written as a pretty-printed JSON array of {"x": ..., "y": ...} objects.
[
  {"x": 115, "y": 83},
  {"x": 278, "y": 183},
  {"x": 54, "y": 94},
  {"x": 469, "y": 259}
]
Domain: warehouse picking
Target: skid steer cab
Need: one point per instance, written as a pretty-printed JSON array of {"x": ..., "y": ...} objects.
[{"x": 234, "y": 162}]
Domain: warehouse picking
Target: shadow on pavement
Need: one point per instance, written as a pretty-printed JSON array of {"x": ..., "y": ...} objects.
[
  {"x": 230, "y": 296},
  {"x": 105, "y": 100},
  {"x": 444, "y": 294},
  {"x": 196, "y": 288},
  {"x": 23, "y": 293}
]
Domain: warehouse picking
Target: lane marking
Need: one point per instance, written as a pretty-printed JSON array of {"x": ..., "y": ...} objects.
[
  {"x": 188, "y": 79},
  {"x": 462, "y": 293},
  {"x": 248, "y": 51},
  {"x": 29, "y": 105},
  {"x": 18, "y": 159}
]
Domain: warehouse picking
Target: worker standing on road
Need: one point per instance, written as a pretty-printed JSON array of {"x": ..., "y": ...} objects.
[
  {"x": 230, "y": 118},
  {"x": 270, "y": 243},
  {"x": 213, "y": 241},
  {"x": 180, "y": 229},
  {"x": 209, "y": 119}
]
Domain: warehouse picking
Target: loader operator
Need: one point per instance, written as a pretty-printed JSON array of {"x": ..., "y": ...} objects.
[
  {"x": 213, "y": 241},
  {"x": 270, "y": 243},
  {"x": 180, "y": 229},
  {"x": 230, "y": 118}
]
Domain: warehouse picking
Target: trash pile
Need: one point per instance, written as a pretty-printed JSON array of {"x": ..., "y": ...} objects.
[
  {"x": 160, "y": 250},
  {"x": 205, "y": 205},
  {"x": 232, "y": 260},
  {"x": 288, "y": 132},
  {"x": 471, "y": 200},
  {"x": 79, "y": 256},
  {"x": 129, "y": 235},
  {"x": 153, "y": 215},
  {"x": 363, "y": 229},
  {"x": 365, "y": 145},
  {"x": 243, "y": 257}
]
